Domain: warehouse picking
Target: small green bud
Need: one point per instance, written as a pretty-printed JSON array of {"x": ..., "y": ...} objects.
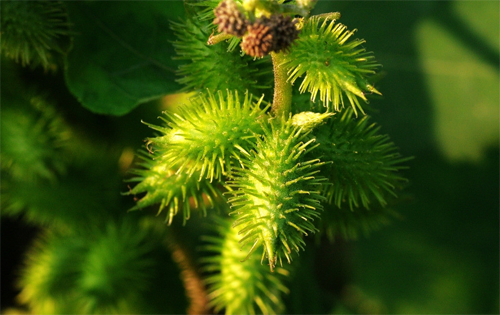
[
  {"x": 309, "y": 120},
  {"x": 306, "y": 4}
]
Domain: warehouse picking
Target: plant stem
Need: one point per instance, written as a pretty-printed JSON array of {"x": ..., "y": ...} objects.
[
  {"x": 195, "y": 288},
  {"x": 282, "y": 99},
  {"x": 215, "y": 39}
]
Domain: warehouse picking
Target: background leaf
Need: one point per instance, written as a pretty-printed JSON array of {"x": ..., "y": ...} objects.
[{"x": 122, "y": 53}]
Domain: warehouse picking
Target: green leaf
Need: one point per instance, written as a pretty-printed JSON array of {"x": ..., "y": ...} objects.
[{"x": 122, "y": 53}]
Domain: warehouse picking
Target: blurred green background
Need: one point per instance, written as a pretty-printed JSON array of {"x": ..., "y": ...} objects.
[{"x": 441, "y": 105}]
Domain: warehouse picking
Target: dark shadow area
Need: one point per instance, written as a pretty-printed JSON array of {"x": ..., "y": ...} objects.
[
  {"x": 447, "y": 241},
  {"x": 16, "y": 238},
  {"x": 443, "y": 257}
]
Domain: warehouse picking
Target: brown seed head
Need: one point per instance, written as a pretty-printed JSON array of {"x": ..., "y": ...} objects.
[
  {"x": 285, "y": 32},
  {"x": 259, "y": 40},
  {"x": 230, "y": 19},
  {"x": 276, "y": 33}
]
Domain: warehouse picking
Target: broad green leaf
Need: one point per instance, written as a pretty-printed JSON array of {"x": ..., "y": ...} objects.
[{"x": 122, "y": 53}]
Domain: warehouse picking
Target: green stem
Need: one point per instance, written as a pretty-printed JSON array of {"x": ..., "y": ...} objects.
[
  {"x": 282, "y": 99},
  {"x": 215, "y": 39}
]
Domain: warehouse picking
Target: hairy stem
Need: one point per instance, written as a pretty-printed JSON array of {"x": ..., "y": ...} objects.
[{"x": 282, "y": 99}]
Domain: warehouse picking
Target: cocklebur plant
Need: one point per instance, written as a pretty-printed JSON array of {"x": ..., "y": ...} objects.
[
  {"x": 272, "y": 148},
  {"x": 280, "y": 167}
]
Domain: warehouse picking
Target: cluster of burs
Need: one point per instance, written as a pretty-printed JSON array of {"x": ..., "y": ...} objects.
[
  {"x": 260, "y": 37},
  {"x": 271, "y": 150},
  {"x": 278, "y": 167}
]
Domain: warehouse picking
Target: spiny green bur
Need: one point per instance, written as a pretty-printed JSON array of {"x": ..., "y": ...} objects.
[
  {"x": 232, "y": 71},
  {"x": 364, "y": 164},
  {"x": 97, "y": 273},
  {"x": 333, "y": 66},
  {"x": 170, "y": 189},
  {"x": 33, "y": 135},
  {"x": 277, "y": 193},
  {"x": 53, "y": 268},
  {"x": 205, "y": 135},
  {"x": 32, "y": 30},
  {"x": 246, "y": 287},
  {"x": 119, "y": 247}
]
